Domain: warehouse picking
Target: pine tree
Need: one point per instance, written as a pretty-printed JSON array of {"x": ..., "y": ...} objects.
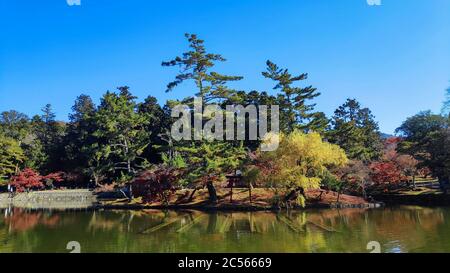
[
  {"x": 207, "y": 161},
  {"x": 295, "y": 111},
  {"x": 80, "y": 133},
  {"x": 46, "y": 148},
  {"x": 157, "y": 125},
  {"x": 446, "y": 104},
  {"x": 121, "y": 133},
  {"x": 355, "y": 130},
  {"x": 196, "y": 65}
]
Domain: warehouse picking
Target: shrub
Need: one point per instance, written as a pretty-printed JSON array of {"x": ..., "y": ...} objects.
[
  {"x": 156, "y": 185},
  {"x": 28, "y": 179}
]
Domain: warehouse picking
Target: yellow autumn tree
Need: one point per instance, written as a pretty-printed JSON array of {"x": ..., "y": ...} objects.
[{"x": 301, "y": 160}]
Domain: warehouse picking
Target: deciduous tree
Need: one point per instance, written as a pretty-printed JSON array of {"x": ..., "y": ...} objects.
[
  {"x": 386, "y": 174},
  {"x": 27, "y": 179},
  {"x": 11, "y": 157},
  {"x": 426, "y": 138},
  {"x": 301, "y": 161}
]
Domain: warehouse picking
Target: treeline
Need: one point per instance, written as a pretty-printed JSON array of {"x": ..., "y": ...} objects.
[{"x": 116, "y": 140}]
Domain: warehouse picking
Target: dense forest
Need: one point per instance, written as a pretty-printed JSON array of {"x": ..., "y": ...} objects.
[{"x": 120, "y": 138}]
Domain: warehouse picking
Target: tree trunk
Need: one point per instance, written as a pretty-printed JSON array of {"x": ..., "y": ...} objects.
[
  {"x": 414, "y": 181},
  {"x": 294, "y": 194},
  {"x": 212, "y": 192},
  {"x": 250, "y": 187},
  {"x": 96, "y": 180},
  {"x": 231, "y": 193},
  {"x": 130, "y": 188},
  {"x": 192, "y": 194},
  {"x": 128, "y": 159}
]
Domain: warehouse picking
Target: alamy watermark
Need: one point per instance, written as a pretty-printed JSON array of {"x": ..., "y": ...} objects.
[
  {"x": 78, "y": 2},
  {"x": 74, "y": 247},
  {"x": 374, "y": 2},
  {"x": 374, "y": 246},
  {"x": 207, "y": 123},
  {"x": 73, "y": 2}
]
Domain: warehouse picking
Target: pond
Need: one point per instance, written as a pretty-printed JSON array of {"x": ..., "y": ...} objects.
[{"x": 399, "y": 229}]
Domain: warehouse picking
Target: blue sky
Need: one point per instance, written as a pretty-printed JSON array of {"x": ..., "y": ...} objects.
[{"x": 393, "y": 58}]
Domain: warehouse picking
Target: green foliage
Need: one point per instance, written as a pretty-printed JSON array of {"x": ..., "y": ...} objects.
[
  {"x": 208, "y": 161},
  {"x": 294, "y": 110},
  {"x": 79, "y": 136},
  {"x": 14, "y": 125},
  {"x": 11, "y": 156},
  {"x": 253, "y": 98},
  {"x": 416, "y": 131},
  {"x": 333, "y": 183},
  {"x": 47, "y": 136},
  {"x": 354, "y": 129},
  {"x": 175, "y": 160},
  {"x": 158, "y": 124},
  {"x": 426, "y": 137},
  {"x": 115, "y": 140},
  {"x": 196, "y": 65},
  {"x": 446, "y": 104},
  {"x": 121, "y": 131},
  {"x": 251, "y": 175},
  {"x": 439, "y": 151}
]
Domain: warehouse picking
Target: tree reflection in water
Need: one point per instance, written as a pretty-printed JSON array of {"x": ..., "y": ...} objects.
[{"x": 402, "y": 229}]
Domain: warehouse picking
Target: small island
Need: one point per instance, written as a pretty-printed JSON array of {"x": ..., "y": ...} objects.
[{"x": 125, "y": 153}]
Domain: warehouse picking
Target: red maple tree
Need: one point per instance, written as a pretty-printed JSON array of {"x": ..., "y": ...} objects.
[
  {"x": 27, "y": 179},
  {"x": 386, "y": 173},
  {"x": 30, "y": 179},
  {"x": 156, "y": 185}
]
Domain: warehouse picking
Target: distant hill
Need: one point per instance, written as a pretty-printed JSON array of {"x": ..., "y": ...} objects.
[{"x": 386, "y": 136}]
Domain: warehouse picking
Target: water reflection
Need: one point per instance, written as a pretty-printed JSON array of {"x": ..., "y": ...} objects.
[{"x": 403, "y": 229}]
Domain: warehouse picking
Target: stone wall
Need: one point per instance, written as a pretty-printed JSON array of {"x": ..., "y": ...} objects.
[{"x": 61, "y": 199}]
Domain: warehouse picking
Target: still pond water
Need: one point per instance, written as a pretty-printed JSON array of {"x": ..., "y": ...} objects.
[{"x": 400, "y": 229}]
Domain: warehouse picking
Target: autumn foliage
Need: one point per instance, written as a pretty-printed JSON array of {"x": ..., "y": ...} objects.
[
  {"x": 156, "y": 185},
  {"x": 28, "y": 179},
  {"x": 393, "y": 167},
  {"x": 386, "y": 173}
]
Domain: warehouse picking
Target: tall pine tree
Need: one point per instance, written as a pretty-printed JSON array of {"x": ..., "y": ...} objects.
[
  {"x": 356, "y": 131},
  {"x": 295, "y": 110},
  {"x": 207, "y": 160},
  {"x": 121, "y": 133}
]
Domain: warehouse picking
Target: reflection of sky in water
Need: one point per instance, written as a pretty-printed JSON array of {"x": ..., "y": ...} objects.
[{"x": 394, "y": 247}]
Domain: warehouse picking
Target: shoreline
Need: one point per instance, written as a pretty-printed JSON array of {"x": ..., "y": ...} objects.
[
  {"x": 426, "y": 200},
  {"x": 236, "y": 208},
  {"x": 86, "y": 199}
]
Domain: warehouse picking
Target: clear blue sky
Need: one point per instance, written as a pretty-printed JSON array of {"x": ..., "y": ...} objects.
[{"x": 394, "y": 58}]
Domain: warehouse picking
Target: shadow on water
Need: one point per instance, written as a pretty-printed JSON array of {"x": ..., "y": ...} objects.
[{"x": 401, "y": 229}]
